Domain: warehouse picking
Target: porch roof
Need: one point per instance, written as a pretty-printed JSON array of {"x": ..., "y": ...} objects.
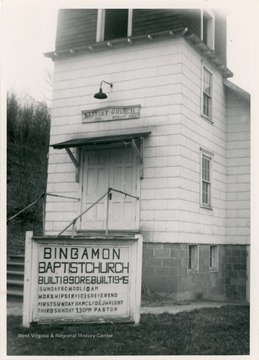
[{"x": 100, "y": 140}]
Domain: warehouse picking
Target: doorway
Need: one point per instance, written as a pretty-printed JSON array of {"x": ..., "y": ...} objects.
[{"x": 115, "y": 168}]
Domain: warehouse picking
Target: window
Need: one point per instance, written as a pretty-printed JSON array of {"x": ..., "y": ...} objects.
[
  {"x": 214, "y": 257},
  {"x": 193, "y": 259},
  {"x": 206, "y": 165},
  {"x": 207, "y": 94},
  {"x": 113, "y": 24},
  {"x": 208, "y": 28}
]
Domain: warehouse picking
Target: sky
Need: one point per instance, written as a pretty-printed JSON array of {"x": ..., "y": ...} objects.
[{"x": 29, "y": 31}]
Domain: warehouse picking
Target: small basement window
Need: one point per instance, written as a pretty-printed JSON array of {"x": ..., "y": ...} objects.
[
  {"x": 193, "y": 259},
  {"x": 214, "y": 257},
  {"x": 113, "y": 24}
]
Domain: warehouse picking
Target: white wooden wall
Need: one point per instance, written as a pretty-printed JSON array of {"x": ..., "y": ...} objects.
[
  {"x": 238, "y": 185},
  {"x": 165, "y": 79}
]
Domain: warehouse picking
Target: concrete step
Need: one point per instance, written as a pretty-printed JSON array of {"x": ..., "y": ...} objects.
[
  {"x": 15, "y": 266},
  {"x": 15, "y": 295},
  {"x": 15, "y": 285},
  {"x": 15, "y": 275},
  {"x": 16, "y": 258}
]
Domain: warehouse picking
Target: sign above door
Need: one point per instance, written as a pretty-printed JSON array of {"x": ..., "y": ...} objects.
[{"x": 109, "y": 113}]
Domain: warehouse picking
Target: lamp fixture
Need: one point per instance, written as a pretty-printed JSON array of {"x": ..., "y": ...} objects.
[{"x": 101, "y": 95}]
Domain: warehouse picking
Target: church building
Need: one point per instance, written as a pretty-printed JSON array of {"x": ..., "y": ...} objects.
[{"x": 149, "y": 134}]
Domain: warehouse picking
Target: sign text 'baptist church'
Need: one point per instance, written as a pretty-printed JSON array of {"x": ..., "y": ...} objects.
[{"x": 111, "y": 113}]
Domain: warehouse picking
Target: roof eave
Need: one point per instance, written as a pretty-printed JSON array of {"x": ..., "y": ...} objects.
[{"x": 192, "y": 39}]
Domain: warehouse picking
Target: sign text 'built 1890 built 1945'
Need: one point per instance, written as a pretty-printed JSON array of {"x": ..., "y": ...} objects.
[{"x": 111, "y": 113}]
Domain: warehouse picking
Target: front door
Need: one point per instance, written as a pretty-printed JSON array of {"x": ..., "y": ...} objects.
[{"x": 118, "y": 169}]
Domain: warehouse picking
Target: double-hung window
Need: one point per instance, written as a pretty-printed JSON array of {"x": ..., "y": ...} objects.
[
  {"x": 207, "y": 93},
  {"x": 113, "y": 24},
  {"x": 206, "y": 171}
]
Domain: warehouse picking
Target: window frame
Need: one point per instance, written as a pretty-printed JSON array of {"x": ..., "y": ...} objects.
[
  {"x": 214, "y": 266},
  {"x": 101, "y": 24},
  {"x": 208, "y": 95},
  {"x": 208, "y": 156},
  {"x": 210, "y": 17},
  {"x": 194, "y": 268}
]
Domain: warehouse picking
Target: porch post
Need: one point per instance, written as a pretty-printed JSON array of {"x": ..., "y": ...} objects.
[{"x": 107, "y": 211}]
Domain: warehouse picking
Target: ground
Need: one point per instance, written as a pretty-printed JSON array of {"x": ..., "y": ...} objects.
[{"x": 184, "y": 329}]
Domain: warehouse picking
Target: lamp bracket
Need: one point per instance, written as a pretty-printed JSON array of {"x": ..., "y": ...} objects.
[{"x": 111, "y": 85}]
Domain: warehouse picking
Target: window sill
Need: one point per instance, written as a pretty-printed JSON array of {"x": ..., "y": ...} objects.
[
  {"x": 192, "y": 272},
  {"x": 208, "y": 119},
  {"x": 213, "y": 269},
  {"x": 208, "y": 207}
]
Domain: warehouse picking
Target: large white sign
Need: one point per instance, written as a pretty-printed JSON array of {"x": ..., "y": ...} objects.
[{"x": 82, "y": 280}]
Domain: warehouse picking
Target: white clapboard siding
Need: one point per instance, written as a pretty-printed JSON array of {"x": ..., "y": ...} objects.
[{"x": 164, "y": 78}]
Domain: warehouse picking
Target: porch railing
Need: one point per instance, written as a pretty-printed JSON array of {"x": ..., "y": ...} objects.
[{"x": 106, "y": 194}]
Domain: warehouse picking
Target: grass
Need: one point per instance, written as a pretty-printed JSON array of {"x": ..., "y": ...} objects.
[{"x": 210, "y": 331}]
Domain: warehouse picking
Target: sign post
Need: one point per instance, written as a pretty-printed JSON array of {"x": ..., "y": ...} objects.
[
  {"x": 83, "y": 280},
  {"x": 27, "y": 280}
]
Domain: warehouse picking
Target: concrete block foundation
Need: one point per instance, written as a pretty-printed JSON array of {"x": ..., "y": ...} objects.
[{"x": 165, "y": 271}]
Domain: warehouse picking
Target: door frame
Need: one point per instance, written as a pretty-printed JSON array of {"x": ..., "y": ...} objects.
[{"x": 83, "y": 152}]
